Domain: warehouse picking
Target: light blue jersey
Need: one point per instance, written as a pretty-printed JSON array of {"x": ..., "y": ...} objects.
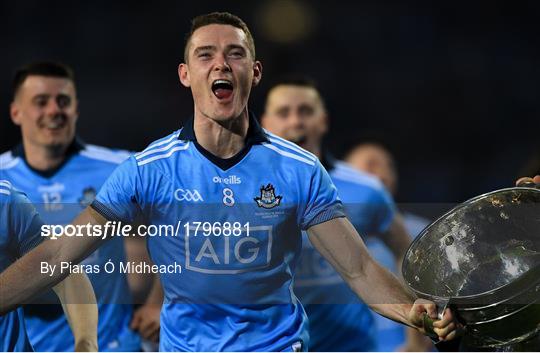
[
  {"x": 59, "y": 196},
  {"x": 339, "y": 320},
  {"x": 390, "y": 334},
  {"x": 20, "y": 228},
  {"x": 236, "y": 233}
]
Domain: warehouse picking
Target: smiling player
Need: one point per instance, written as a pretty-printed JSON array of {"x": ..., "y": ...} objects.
[
  {"x": 239, "y": 242},
  {"x": 61, "y": 176}
]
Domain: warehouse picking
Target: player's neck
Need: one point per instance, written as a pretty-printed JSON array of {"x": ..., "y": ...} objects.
[
  {"x": 223, "y": 139},
  {"x": 44, "y": 158}
]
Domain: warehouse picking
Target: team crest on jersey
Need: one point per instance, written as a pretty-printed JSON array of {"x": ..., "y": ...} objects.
[
  {"x": 88, "y": 196},
  {"x": 268, "y": 198}
]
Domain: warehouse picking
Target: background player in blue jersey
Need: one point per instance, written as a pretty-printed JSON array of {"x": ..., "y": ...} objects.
[
  {"x": 61, "y": 176},
  {"x": 373, "y": 157},
  {"x": 20, "y": 231},
  {"x": 339, "y": 321},
  {"x": 237, "y": 199}
]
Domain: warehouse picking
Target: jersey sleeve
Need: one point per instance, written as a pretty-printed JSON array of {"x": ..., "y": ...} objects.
[
  {"x": 320, "y": 202},
  {"x": 25, "y": 224},
  {"x": 118, "y": 197}
]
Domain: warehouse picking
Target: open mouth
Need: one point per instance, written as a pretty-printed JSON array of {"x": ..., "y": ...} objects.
[
  {"x": 222, "y": 89},
  {"x": 54, "y": 125},
  {"x": 57, "y": 123}
]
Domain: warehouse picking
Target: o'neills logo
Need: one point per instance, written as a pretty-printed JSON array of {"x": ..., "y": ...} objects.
[
  {"x": 268, "y": 198},
  {"x": 230, "y": 180}
]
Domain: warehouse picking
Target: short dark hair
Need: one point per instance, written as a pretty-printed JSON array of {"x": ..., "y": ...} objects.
[
  {"x": 300, "y": 80},
  {"x": 294, "y": 80},
  {"x": 41, "y": 68},
  {"x": 219, "y": 18}
]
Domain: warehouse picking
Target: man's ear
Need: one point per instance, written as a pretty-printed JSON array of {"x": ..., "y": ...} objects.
[
  {"x": 183, "y": 74},
  {"x": 15, "y": 113},
  {"x": 257, "y": 73}
]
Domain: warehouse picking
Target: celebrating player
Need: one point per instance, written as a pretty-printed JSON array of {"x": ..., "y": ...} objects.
[
  {"x": 20, "y": 227},
  {"x": 338, "y": 320},
  {"x": 61, "y": 176},
  {"x": 236, "y": 199}
]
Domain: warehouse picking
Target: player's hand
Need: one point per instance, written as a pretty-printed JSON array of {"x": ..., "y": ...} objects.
[
  {"x": 526, "y": 181},
  {"x": 446, "y": 329},
  {"x": 86, "y": 345},
  {"x": 146, "y": 320}
]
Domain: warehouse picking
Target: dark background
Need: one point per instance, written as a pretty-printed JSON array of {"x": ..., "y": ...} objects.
[{"x": 453, "y": 86}]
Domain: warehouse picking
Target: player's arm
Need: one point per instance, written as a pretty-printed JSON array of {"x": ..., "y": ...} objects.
[
  {"x": 24, "y": 279},
  {"x": 79, "y": 303},
  {"x": 341, "y": 245}
]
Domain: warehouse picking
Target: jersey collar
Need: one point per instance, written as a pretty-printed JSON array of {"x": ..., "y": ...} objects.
[
  {"x": 255, "y": 134},
  {"x": 76, "y": 146}
]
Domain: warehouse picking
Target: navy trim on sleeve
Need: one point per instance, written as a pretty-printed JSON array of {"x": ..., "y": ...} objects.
[
  {"x": 334, "y": 211},
  {"x": 106, "y": 212}
]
